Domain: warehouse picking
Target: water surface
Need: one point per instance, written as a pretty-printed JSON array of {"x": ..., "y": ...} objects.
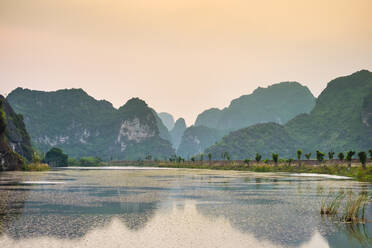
[{"x": 172, "y": 208}]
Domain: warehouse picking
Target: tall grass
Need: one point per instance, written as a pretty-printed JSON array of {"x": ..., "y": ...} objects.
[
  {"x": 353, "y": 206},
  {"x": 36, "y": 167},
  {"x": 330, "y": 208}
]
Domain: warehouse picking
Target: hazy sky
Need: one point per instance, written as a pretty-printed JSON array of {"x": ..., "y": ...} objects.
[{"x": 181, "y": 57}]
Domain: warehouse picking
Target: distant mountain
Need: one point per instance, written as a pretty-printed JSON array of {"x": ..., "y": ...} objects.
[
  {"x": 14, "y": 140},
  {"x": 167, "y": 119},
  {"x": 277, "y": 103},
  {"x": 340, "y": 121},
  {"x": 163, "y": 130},
  {"x": 83, "y": 126},
  {"x": 177, "y": 132},
  {"x": 197, "y": 138}
]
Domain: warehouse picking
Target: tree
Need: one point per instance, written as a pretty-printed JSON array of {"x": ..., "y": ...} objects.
[
  {"x": 258, "y": 157},
  {"x": 193, "y": 159},
  {"x": 226, "y": 155},
  {"x": 349, "y": 157},
  {"x": 275, "y": 157},
  {"x": 299, "y": 154},
  {"x": 2, "y": 119},
  {"x": 341, "y": 156},
  {"x": 320, "y": 156},
  {"x": 246, "y": 161},
  {"x": 330, "y": 155},
  {"x": 210, "y": 157},
  {"x": 308, "y": 155},
  {"x": 56, "y": 158},
  {"x": 370, "y": 154},
  {"x": 363, "y": 158},
  {"x": 201, "y": 158}
]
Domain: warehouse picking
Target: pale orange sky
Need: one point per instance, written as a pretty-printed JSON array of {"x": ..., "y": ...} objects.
[{"x": 182, "y": 57}]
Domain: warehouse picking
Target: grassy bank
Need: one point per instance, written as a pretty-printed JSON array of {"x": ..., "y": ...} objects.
[
  {"x": 35, "y": 167},
  {"x": 356, "y": 171}
]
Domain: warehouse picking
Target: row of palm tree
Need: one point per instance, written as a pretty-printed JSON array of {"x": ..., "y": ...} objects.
[{"x": 320, "y": 157}]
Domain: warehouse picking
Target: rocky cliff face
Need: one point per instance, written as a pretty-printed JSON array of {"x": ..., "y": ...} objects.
[
  {"x": 14, "y": 139},
  {"x": 16, "y": 133},
  {"x": 83, "y": 126},
  {"x": 177, "y": 132},
  {"x": 167, "y": 119}
]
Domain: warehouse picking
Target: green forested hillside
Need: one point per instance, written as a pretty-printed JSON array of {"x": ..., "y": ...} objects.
[
  {"x": 339, "y": 121},
  {"x": 197, "y": 138},
  {"x": 277, "y": 103},
  {"x": 83, "y": 126},
  {"x": 15, "y": 144}
]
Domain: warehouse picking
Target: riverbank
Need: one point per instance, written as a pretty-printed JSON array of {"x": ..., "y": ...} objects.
[{"x": 332, "y": 168}]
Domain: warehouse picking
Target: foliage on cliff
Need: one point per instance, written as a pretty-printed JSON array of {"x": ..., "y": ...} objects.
[{"x": 83, "y": 126}]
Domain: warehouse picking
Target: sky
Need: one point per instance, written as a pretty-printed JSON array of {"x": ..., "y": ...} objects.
[{"x": 181, "y": 57}]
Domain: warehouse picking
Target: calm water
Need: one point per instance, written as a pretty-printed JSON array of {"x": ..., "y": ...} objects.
[{"x": 172, "y": 208}]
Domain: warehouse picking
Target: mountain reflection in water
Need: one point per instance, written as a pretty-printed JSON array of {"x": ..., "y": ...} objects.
[{"x": 171, "y": 208}]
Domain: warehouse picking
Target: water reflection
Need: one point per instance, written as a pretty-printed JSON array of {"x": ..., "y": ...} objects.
[{"x": 172, "y": 208}]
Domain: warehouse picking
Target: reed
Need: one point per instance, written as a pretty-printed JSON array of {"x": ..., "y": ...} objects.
[{"x": 355, "y": 208}]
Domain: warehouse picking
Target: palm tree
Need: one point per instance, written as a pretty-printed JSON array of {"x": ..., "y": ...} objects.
[
  {"x": 330, "y": 155},
  {"x": 319, "y": 156},
  {"x": 363, "y": 158},
  {"x": 299, "y": 154},
  {"x": 275, "y": 158},
  {"x": 349, "y": 157},
  {"x": 341, "y": 156},
  {"x": 258, "y": 157}
]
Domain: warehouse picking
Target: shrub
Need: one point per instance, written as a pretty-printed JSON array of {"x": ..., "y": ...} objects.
[
  {"x": 362, "y": 158},
  {"x": 56, "y": 158},
  {"x": 308, "y": 155},
  {"x": 36, "y": 167}
]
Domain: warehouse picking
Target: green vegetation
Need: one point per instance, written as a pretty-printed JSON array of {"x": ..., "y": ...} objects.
[
  {"x": 331, "y": 207},
  {"x": 320, "y": 156},
  {"x": 357, "y": 172},
  {"x": 275, "y": 157},
  {"x": 308, "y": 155},
  {"x": 354, "y": 206},
  {"x": 349, "y": 157},
  {"x": 83, "y": 126},
  {"x": 35, "y": 167},
  {"x": 196, "y": 139},
  {"x": 330, "y": 155},
  {"x": 282, "y": 102},
  {"x": 258, "y": 157},
  {"x": 341, "y": 156},
  {"x": 341, "y": 120},
  {"x": 362, "y": 158},
  {"x": 12, "y": 136},
  {"x": 86, "y": 161},
  {"x": 56, "y": 158},
  {"x": 246, "y": 142},
  {"x": 299, "y": 154}
]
